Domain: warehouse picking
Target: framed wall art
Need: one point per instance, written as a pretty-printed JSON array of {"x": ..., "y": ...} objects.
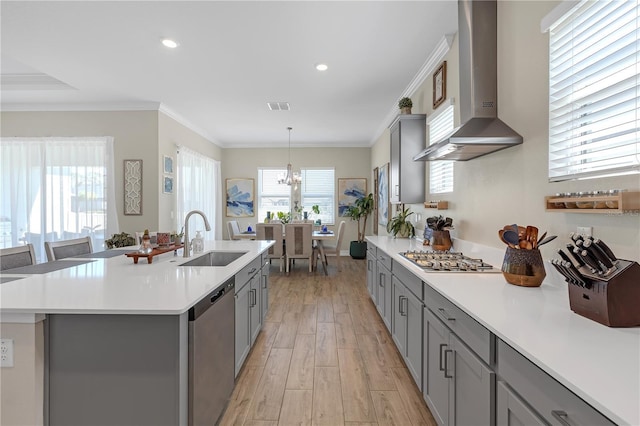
[
  {"x": 240, "y": 197},
  {"x": 167, "y": 185},
  {"x": 349, "y": 190},
  {"x": 440, "y": 84},
  {"x": 383, "y": 195},
  {"x": 375, "y": 200},
  {"x": 132, "y": 187},
  {"x": 168, "y": 164}
]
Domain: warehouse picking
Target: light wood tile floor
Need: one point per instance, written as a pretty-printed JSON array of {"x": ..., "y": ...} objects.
[{"x": 324, "y": 357}]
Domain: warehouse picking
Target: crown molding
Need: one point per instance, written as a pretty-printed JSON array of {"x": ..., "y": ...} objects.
[
  {"x": 35, "y": 107},
  {"x": 186, "y": 123},
  {"x": 32, "y": 82},
  {"x": 434, "y": 59}
]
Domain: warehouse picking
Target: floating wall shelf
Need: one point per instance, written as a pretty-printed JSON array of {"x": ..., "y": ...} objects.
[
  {"x": 440, "y": 205},
  {"x": 623, "y": 202}
]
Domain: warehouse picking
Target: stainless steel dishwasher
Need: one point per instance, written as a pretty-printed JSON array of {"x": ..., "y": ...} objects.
[{"x": 211, "y": 355}]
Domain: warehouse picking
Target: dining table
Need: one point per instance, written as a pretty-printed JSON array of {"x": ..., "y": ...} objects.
[{"x": 317, "y": 236}]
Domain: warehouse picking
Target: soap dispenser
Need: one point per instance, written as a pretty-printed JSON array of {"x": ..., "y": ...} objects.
[{"x": 197, "y": 243}]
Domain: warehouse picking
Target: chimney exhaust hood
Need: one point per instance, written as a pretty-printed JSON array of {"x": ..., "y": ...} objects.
[{"x": 482, "y": 132}]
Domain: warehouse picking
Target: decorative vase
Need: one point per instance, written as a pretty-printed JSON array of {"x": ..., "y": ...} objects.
[
  {"x": 405, "y": 110},
  {"x": 523, "y": 267},
  {"x": 441, "y": 240}
]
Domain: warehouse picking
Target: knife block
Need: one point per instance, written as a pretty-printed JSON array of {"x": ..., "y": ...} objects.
[{"x": 613, "y": 300}]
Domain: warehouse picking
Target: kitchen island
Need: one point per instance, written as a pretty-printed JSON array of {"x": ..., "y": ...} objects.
[
  {"x": 599, "y": 364},
  {"x": 118, "y": 328}
]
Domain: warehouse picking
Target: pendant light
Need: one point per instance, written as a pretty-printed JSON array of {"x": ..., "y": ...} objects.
[{"x": 290, "y": 177}]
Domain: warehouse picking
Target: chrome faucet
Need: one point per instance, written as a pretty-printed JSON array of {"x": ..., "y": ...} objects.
[{"x": 187, "y": 243}]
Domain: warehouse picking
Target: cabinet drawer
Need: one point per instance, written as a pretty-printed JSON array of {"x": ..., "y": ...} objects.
[
  {"x": 409, "y": 280},
  {"x": 247, "y": 272},
  {"x": 384, "y": 258},
  {"x": 371, "y": 249},
  {"x": 469, "y": 330},
  {"x": 555, "y": 403}
]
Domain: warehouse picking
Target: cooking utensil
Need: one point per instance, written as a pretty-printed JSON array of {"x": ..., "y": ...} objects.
[
  {"x": 606, "y": 249},
  {"x": 572, "y": 253},
  {"x": 541, "y": 238},
  {"x": 598, "y": 254},
  {"x": 500, "y": 234},
  {"x": 512, "y": 238},
  {"x": 593, "y": 264},
  {"x": 547, "y": 240},
  {"x": 531, "y": 236}
]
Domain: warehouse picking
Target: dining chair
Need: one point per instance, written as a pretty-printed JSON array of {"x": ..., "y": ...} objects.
[
  {"x": 57, "y": 250},
  {"x": 331, "y": 250},
  {"x": 299, "y": 243},
  {"x": 153, "y": 237},
  {"x": 234, "y": 229},
  {"x": 16, "y": 257},
  {"x": 272, "y": 231}
]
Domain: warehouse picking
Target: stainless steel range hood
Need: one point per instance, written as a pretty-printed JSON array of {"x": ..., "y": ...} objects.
[{"x": 482, "y": 132}]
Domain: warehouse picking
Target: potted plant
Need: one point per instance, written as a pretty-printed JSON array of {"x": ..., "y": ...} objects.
[
  {"x": 441, "y": 239},
  {"x": 359, "y": 212},
  {"x": 405, "y": 105},
  {"x": 399, "y": 226},
  {"x": 176, "y": 238},
  {"x": 120, "y": 240}
]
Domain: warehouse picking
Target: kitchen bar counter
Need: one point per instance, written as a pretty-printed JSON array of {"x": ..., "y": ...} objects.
[
  {"x": 118, "y": 286},
  {"x": 599, "y": 364}
]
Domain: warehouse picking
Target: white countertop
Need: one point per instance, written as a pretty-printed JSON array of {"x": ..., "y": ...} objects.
[
  {"x": 598, "y": 363},
  {"x": 118, "y": 286}
]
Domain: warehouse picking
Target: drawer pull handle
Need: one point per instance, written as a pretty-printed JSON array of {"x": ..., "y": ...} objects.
[
  {"x": 252, "y": 271},
  {"x": 406, "y": 306},
  {"x": 446, "y": 315},
  {"x": 562, "y": 417},
  {"x": 442, "y": 345},
  {"x": 446, "y": 367}
]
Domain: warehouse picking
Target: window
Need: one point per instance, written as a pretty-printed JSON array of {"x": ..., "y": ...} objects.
[
  {"x": 272, "y": 196},
  {"x": 318, "y": 187},
  {"x": 594, "y": 91},
  {"x": 440, "y": 172},
  {"x": 199, "y": 187},
  {"x": 57, "y": 189}
]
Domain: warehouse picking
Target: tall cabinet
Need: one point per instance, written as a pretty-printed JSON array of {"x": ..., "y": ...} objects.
[{"x": 406, "y": 177}]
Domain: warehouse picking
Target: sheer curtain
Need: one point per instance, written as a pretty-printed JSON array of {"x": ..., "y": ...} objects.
[
  {"x": 199, "y": 187},
  {"x": 56, "y": 189}
]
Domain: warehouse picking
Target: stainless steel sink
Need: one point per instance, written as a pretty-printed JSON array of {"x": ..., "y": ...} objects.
[{"x": 215, "y": 258}]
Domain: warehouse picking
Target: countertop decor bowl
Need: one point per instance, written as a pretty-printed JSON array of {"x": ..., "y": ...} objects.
[{"x": 523, "y": 267}]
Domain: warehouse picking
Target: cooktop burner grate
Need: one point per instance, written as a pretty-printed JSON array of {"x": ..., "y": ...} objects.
[{"x": 439, "y": 261}]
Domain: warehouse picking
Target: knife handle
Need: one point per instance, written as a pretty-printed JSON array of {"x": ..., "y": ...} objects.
[
  {"x": 573, "y": 271},
  {"x": 593, "y": 265},
  {"x": 574, "y": 255},
  {"x": 598, "y": 254},
  {"x": 564, "y": 256},
  {"x": 575, "y": 237},
  {"x": 605, "y": 248}
]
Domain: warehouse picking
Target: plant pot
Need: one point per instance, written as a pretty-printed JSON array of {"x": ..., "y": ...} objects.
[
  {"x": 523, "y": 267},
  {"x": 358, "y": 250},
  {"x": 441, "y": 240},
  {"x": 405, "y": 110}
]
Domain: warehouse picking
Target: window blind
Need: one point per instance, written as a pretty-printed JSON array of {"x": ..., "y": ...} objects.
[
  {"x": 272, "y": 196},
  {"x": 594, "y": 91},
  {"x": 318, "y": 187},
  {"x": 440, "y": 172}
]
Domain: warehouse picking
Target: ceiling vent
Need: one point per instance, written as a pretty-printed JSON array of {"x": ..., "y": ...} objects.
[{"x": 278, "y": 106}]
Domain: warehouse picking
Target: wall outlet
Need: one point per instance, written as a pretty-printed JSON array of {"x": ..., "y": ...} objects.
[
  {"x": 587, "y": 231},
  {"x": 6, "y": 352}
]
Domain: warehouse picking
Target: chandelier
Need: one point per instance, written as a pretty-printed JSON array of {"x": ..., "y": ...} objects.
[{"x": 290, "y": 177}]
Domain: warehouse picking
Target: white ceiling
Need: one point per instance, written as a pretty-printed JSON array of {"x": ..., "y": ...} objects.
[{"x": 233, "y": 58}]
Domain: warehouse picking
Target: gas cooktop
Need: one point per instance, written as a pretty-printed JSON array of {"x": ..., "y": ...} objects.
[{"x": 444, "y": 261}]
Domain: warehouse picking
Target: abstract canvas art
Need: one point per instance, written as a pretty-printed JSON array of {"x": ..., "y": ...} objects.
[
  {"x": 383, "y": 195},
  {"x": 349, "y": 190},
  {"x": 240, "y": 198}
]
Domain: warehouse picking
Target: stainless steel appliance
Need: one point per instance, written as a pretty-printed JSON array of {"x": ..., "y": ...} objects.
[
  {"x": 441, "y": 261},
  {"x": 211, "y": 355}
]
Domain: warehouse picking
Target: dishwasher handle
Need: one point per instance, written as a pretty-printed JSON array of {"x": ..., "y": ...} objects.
[{"x": 211, "y": 299}]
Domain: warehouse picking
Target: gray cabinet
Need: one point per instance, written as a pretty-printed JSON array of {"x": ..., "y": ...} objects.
[
  {"x": 383, "y": 301},
  {"x": 458, "y": 385},
  {"x": 243, "y": 338},
  {"x": 512, "y": 411},
  {"x": 371, "y": 275},
  {"x": 406, "y": 328},
  {"x": 407, "y": 177},
  {"x": 248, "y": 309},
  {"x": 548, "y": 399},
  {"x": 264, "y": 290}
]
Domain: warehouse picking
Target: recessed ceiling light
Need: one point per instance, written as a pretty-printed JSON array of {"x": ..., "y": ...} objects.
[
  {"x": 321, "y": 67},
  {"x": 169, "y": 43}
]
